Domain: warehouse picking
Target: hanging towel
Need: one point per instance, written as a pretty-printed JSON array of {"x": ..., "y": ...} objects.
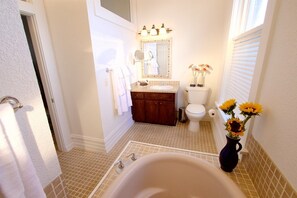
[
  {"x": 120, "y": 77},
  {"x": 127, "y": 81},
  {"x": 117, "y": 88},
  {"x": 18, "y": 178}
]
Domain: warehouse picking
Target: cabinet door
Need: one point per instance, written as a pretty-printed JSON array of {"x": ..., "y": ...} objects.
[
  {"x": 151, "y": 111},
  {"x": 167, "y": 114},
  {"x": 138, "y": 113}
]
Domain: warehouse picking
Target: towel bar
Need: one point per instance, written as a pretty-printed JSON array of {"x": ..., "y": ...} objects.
[{"x": 16, "y": 105}]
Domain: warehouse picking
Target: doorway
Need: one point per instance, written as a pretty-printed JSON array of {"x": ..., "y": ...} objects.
[{"x": 25, "y": 20}]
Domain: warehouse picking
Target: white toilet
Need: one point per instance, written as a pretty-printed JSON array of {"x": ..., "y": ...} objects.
[{"x": 196, "y": 98}]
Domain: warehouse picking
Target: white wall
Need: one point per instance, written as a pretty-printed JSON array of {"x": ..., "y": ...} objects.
[
  {"x": 200, "y": 31},
  {"x": 18, "y": 79},
  {"x": 83, "y": 41},
  {"x": 111, "y": 42},
  {"x": 68, "y": 23},
  {"x": 275, "y": 130}
]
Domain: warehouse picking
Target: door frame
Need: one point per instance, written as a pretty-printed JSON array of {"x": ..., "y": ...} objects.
[{"x": 35, "y": 13}]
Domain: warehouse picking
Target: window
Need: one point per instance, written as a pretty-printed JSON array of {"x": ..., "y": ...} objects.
[
  {"x": 244, "y": 56},
  {"x": 246, "y": 15},
  {"x": 245, "y": 36},
  {"x": 256, "y": 13}
]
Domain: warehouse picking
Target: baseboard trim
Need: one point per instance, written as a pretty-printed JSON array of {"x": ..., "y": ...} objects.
[
  {"x": 68, "y": 147},
  {"x": 87, "y": 143},
  {"x": 117, "y": 133},
  {"x": 218, "y": 132}
]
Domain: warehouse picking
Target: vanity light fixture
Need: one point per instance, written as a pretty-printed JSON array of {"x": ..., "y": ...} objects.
[{"x": 154, "y": 31}]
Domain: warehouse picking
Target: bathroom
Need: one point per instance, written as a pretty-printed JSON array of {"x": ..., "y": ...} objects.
[{"x": 74, "y": 38}]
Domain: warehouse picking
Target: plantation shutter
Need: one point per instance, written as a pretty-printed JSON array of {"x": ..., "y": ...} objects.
[{"x": 244, "y": 57}]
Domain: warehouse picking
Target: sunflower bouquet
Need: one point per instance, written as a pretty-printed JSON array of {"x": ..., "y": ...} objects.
[{"x": 234, "y": 125}]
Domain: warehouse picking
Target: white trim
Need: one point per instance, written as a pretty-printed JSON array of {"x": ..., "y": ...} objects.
[
  {"x": 178, "y": 149},
  {"x": 48, "y": 71},
  {"x": 262, "y": 53},
  {"x": 87, "y": 143},
  {"x": 218, "y": 130},
  {"x": 116, "y": 134},
  {"x": 115, "y": 19},
  {"x": 26, "y": 8},
  {"x": 68, "y": 147},
  {"x": 262, "y": 49},
  {"x": 248, "y": 33}
]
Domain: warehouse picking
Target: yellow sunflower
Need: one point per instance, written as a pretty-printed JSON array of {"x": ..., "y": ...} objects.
[
  {"x": 250, "y": 109},
  {"x": 228, "y": 106},
  {"x": 235, "y": 127}
]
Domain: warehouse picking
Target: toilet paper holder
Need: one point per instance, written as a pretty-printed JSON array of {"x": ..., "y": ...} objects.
[{"x": 212, "y": 112}]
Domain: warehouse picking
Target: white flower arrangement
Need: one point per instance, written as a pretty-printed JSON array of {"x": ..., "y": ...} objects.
[{"x": 200, "y": 71}]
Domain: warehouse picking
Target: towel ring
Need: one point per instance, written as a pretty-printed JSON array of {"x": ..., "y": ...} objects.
[{"x": 15, "y": 103}]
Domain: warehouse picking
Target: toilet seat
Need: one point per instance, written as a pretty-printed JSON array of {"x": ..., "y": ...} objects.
[{"x": 196, "y": 109}]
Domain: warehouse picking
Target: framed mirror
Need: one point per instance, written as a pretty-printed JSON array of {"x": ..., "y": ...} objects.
[{"x": 157, "y": 58}]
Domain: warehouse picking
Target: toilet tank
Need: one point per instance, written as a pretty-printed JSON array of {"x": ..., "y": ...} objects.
[{"x": 197, "y": 95}]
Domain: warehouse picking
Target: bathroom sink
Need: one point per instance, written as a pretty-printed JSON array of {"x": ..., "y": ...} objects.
[{"x": 161, "y": 87}]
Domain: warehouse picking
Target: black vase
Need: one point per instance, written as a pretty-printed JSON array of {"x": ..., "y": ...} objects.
[{"x": 229, "y": 154}]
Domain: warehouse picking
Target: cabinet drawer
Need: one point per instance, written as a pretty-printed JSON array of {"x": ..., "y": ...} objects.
[
  {"x": 137, "y": 95},
  {"x": 160, "y": 96}
]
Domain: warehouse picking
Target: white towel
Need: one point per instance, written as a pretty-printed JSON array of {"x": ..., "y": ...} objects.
[
  {"x": 120, "y": 77},
  {"x": 18, "y": 176},
  {"x": 116, "y": 86}
]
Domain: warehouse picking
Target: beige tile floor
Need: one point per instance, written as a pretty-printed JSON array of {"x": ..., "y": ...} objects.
[{"x": 83, "y": 170}]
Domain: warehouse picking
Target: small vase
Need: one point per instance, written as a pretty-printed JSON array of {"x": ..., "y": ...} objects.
[
  {"x": 201, "y": 80},
  {"x": 229, "y": 154},
  {"x": 195, "y": 80},
  {"x": 194, "y": 83}
]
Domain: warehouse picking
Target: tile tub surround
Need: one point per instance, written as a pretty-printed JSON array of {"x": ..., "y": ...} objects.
[
  {"x": 266, "y": 177},
  {"x": 239, "y": 176}
]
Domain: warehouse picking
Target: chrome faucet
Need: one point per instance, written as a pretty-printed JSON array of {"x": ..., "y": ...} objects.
[
  {"x": 120, "y": 164},
  {"x": 133, "y": 156}
]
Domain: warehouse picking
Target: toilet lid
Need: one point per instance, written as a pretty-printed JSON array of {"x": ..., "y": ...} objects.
[{"x": 195, "y": 108}]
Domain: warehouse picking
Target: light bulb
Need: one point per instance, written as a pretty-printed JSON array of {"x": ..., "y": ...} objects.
[
  {"x": 153, "y": 31},
  {"x": 162, "y": 30},
  {"x": 143, "y": 31}
]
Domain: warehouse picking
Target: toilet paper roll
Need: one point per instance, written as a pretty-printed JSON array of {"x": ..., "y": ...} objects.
[{"x": 212, "y": 113}]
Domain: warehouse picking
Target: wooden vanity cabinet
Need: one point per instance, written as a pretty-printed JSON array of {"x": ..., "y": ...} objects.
[
  {"x": 156, "y": 108},
  {"x": 138, "y": 105}
]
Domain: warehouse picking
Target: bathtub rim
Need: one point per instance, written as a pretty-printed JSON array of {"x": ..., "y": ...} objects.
[
  {"x": 143, "y": 143},
  {"x": 134, "y": 167}
]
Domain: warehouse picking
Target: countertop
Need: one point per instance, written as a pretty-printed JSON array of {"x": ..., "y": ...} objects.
[{"x": 138, "y": 88}]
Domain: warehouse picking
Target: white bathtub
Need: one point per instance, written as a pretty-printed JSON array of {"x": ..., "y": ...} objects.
[{"x": 169, "y": 175}]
